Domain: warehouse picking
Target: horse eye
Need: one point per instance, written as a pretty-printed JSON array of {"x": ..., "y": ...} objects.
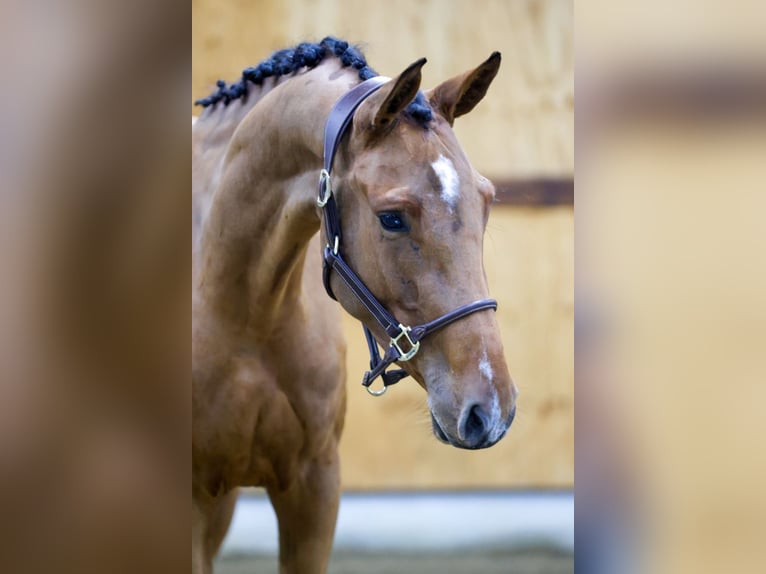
[{"x": 393, "y": 221}]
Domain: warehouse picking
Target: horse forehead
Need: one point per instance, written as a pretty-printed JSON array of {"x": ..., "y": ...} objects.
[
  {"x": 435, "y": 175},
  {"x": 402, "y": 160},
  {"x": 436, "y": 180},
  {"x": 424, "y": 163}
]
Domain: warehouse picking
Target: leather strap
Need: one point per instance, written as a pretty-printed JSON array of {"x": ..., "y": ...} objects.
[
  {"x": 335, "y": 127},
  {"x": 359, "y": 289},
  {"x": 341, "y": 115},
  {"x": 421, "y": 331},
  {"x": 337, "y": 123},
  {"x": 378, "y": 364}
]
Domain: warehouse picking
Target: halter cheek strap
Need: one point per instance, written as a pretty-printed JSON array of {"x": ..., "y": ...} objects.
[{"x": 404, "y": 341}]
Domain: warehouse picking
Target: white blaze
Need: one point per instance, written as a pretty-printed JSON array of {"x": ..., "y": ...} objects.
[
  {"x": 194, "y": 120},
  {"x": 447, "y": 175}
]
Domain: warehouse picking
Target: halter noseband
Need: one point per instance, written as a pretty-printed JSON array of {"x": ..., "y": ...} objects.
[{"x": 405, "y": 341}]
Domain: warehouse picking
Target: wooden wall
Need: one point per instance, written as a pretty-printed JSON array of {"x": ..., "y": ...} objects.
[
  {"x": 525, "y": 126},
  {"x": 522, "y": 131}
]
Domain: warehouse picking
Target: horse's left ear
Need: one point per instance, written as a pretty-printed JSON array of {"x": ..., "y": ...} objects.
[
  {"x": 459, "y": 95},
  {"x": 397, "y": 95}
]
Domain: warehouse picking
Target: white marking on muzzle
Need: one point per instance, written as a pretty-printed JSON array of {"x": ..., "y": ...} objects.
[
  {"x": 449, "y": 180},
  {"x": 485, "y": 367},
  {"x": 496, "y": 412}
]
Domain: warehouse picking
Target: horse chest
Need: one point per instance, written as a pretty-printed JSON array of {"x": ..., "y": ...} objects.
[{"x": 265, "y": 415}]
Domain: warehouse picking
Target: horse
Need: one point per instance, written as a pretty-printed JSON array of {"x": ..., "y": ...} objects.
[{"x": 268, "y": 366}]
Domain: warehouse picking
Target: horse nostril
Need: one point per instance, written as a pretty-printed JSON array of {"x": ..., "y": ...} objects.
[{"x": 473, "y": 428}]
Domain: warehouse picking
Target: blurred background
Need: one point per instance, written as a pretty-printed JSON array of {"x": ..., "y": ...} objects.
[
  {"x": 521, "y": 136},
  {"x": 671, "y": 313}
]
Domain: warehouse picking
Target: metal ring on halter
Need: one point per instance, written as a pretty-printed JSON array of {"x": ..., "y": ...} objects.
[
  {"x": 325, "y": 188},
  {"x": 375, "y": 393}
]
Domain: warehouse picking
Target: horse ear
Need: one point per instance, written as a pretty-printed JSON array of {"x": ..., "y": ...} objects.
[
  {"x": 459, "y": 95},
  {"x": 397, "y": 95}
]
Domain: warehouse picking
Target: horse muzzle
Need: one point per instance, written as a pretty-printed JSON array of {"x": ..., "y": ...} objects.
[{"x": 477, "y": 427}]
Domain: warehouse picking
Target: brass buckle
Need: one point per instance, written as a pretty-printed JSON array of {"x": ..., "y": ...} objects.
[
  {"x": 414, "y": 346},
  {"x": 325, "y": 188}
]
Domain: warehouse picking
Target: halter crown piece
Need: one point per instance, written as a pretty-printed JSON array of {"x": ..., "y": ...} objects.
[{"x": 404, "y": 341}]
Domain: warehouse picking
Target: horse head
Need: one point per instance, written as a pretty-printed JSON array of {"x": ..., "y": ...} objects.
[{"x": 414, "y": 212}]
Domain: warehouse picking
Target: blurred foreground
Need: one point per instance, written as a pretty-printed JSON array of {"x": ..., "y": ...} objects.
[
  {"x": 532, "y": 561},
  {"x": 671, "y": 313}
]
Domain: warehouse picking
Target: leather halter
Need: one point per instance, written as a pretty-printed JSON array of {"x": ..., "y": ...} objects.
[{"x": 405, "y": 341}]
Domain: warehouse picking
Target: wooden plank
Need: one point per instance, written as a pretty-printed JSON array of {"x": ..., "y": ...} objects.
[
  {"x": 542, "y": 192},
  {"x": 669, "y": 93}
]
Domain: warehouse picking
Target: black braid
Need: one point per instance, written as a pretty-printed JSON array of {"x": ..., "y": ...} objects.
[{"x": 306, "y": 55}]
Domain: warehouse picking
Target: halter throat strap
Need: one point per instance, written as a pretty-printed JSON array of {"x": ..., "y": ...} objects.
[{"x": 404, "y": 340}]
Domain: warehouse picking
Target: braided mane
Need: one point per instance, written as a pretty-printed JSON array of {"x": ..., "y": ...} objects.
[{"x": 305, "y": 55}]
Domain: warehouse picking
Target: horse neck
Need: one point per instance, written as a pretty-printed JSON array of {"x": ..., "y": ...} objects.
[{"x": 252, "y": 243}]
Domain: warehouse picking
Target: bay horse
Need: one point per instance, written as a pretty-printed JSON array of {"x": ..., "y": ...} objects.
[{"x": 268, "y": 366}]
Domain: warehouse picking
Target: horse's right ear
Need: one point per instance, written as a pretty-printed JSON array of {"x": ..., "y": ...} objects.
[
  {"x": 397, "y": 95},
  {"x": 459, "y": 95}
]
